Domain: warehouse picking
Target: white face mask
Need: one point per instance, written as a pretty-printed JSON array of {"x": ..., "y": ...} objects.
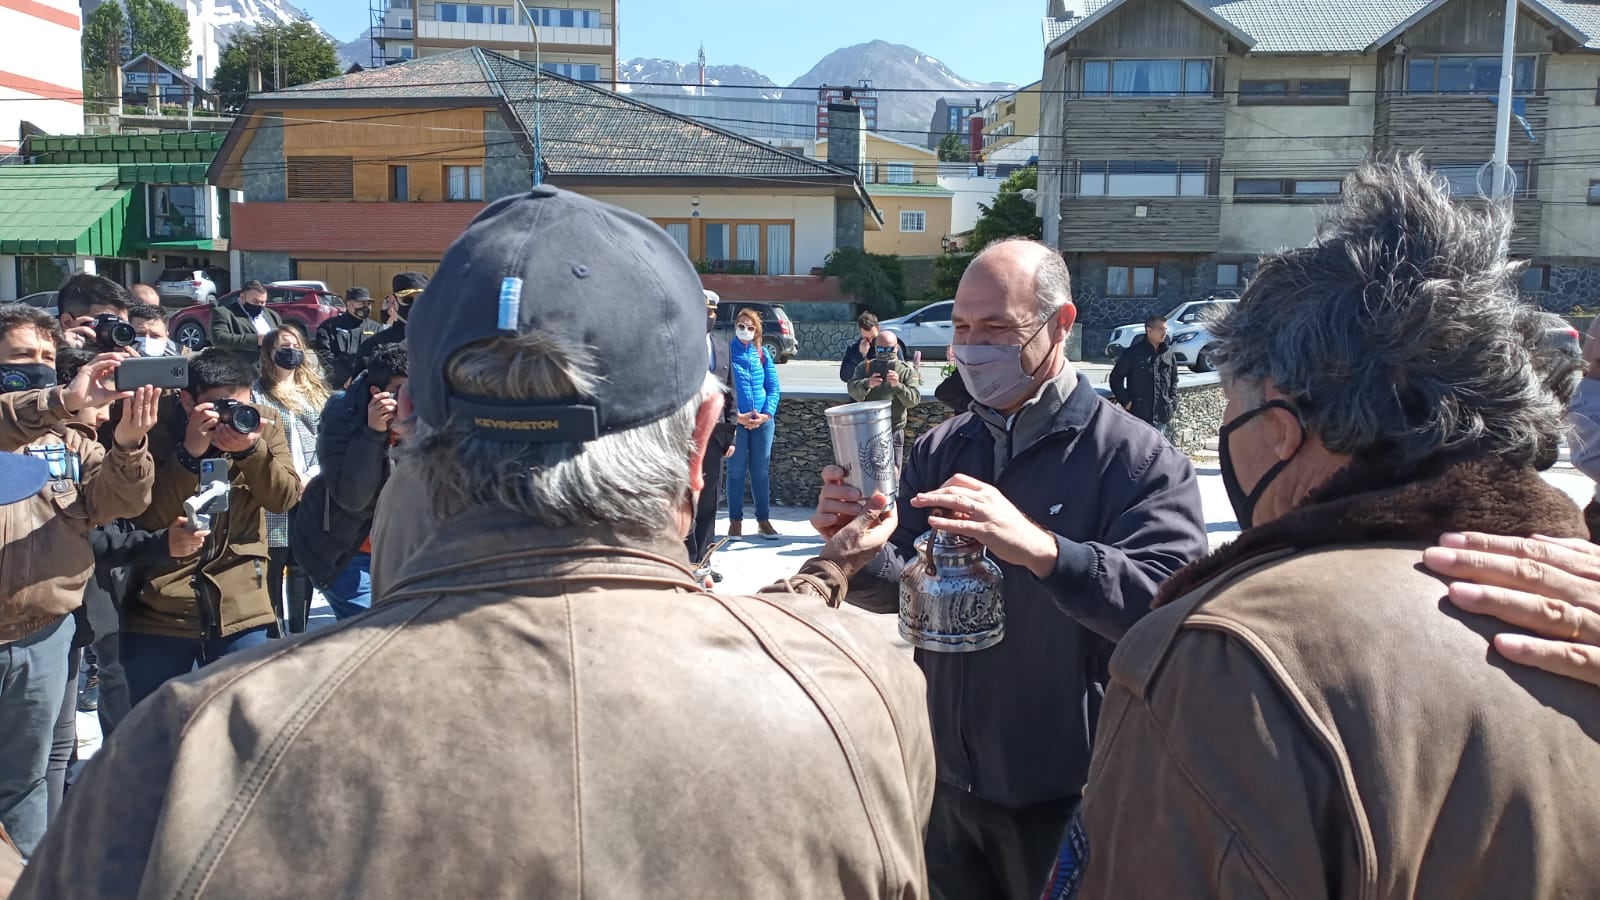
[
  {"x": 150, "y": 346},
  {"x": 745, "y": 334}
]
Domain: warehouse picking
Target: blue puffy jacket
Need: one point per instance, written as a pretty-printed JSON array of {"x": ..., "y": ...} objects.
[{"x": 755, "y": 378}]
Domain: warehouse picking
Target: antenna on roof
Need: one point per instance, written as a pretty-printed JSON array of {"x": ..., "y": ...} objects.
[{"x": 702, "y": 69}]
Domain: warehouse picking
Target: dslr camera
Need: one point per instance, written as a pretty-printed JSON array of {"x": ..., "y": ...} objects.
[
  {"x": 241, "y": 417},
  {"x": 111, "y": 333}
]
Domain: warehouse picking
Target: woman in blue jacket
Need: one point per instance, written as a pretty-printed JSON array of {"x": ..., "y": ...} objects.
[{"x": 755, "y": 395}]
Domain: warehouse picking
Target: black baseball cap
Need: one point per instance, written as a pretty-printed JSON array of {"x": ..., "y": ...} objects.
[
  {"x": 357, "y": 293},
  {"x": 21, "y": 477},
  {"x": 570, "y": 266}
]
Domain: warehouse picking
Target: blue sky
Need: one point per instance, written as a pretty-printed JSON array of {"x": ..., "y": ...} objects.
[{"x": 994, "y": 41}]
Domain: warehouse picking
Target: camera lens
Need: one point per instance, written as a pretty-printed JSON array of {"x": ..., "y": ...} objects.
[
  {"x": 244, "y": 419},
  {"x": 111, "y": 332}
]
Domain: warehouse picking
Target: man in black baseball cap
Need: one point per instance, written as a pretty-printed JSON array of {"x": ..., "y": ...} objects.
[
  {"x": 668, "y": 741},
  {"x": 340, "y": 338},
  {"x": 405, "y": 289}
]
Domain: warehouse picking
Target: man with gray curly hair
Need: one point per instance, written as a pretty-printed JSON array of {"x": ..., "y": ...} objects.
[{"x": 1303, "y": 715}]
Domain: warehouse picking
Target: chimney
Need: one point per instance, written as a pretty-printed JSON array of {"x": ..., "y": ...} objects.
[
  {"x": 847, "y": 149},
  {"x": 975, "y": 144},
  {"x": 253, "y": 80}
]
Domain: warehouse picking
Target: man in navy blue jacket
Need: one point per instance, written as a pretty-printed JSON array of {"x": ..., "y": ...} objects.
[{"x": 1085, "y": 509}]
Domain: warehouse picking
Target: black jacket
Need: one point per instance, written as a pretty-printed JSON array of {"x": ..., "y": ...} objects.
[
  {"x": 231, "y": 329},
  {"x": 123, "y": 555},
  {"x": 394, "y": 334},
  {"x": 339, "y": 343},
  {"x": 1013, "y": 723},
  {"x": 1145, "y": 380},
  {"x": 852, "y": 359},
  {"x": 334, "y": 516}
]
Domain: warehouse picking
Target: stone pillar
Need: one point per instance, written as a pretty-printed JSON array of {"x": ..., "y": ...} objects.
[{"x": 847, "y": 149}]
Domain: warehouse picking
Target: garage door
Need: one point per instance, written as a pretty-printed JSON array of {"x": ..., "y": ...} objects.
[{"x": 374, "y": 275}]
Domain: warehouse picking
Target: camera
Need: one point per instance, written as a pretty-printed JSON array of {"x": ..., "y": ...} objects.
[
  {"x": 111, "y": 333},
  {"x": 241, "y": 417}
]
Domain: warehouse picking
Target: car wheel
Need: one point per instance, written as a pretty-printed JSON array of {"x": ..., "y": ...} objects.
[
  {"x": 1202, "y": 361},
  {"x": 774, "y": 350},
  {"x": 191, "y": 336}
]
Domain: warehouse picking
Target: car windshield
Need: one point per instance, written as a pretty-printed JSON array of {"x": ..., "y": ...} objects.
[{"x": 176, "y": 275}]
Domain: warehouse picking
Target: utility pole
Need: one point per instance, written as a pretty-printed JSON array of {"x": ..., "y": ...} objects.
[
  {"x": 538, "y": 112},
  {"x": 1502, "y": 124}
]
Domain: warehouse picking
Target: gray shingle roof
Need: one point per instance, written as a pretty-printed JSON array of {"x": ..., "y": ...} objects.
[
  {"x": 1322, "y": 26},
  {"x": 453, "y": 76}
]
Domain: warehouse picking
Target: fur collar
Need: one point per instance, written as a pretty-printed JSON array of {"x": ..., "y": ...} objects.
[{"x": 1362, "y": 505}]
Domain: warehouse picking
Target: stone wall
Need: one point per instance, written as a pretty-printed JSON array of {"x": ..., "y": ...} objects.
[
  {"x": 262, "y": 167},
  {"x": 1570, "y": 286},
  {"x": 801, "y": 447},
  {"x": 917, "y": 276},
  {"x": 824, "y": 340},
  {"x": 506, "y": 170},
  {"x": 264, "y": 266}
]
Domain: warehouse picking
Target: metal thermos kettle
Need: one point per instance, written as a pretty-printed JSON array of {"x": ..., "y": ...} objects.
[{"x": 951, "y": 596}]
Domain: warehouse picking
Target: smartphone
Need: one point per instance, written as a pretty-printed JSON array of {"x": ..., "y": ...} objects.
[
  {"x": 879, "y": 367},
  {"x": 212, "y": 470},
  {"x": 153, "y": 371}
]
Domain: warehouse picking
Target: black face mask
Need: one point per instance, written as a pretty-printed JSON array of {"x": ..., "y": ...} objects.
[
  {"x": 251, "y": 309},
  {"x": 289, "y": 357},
  {"x": 26, "y": 377},
  {"x": 360, "y": 312},
  {"x": 1244, "y": 505}
]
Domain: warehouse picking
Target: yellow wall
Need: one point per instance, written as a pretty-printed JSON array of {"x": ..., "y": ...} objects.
[
  {"x": 341, "y": 274},
  {"x": 1020, "y": 109},
  {"x": 882, "y": 151},
  {"x": 424, "y": 141},
  {"x": 892, "y": 240}
]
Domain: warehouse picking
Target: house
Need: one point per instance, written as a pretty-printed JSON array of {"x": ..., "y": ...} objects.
[
  {"x": 149, "y": 82},
  {"x": 903, "y": 180},
  {"x": 1180, "y": 139},
  {"x": 1009, "y": 118},
  {"x": 977, "y": 185},
  {"x": 353, "y": 179},
  {"x": 952, "y": 117},
  {"x": 575, "y": 38},
  {"x": 41, "y": 71},
  {"x": 122, "y": 206}
]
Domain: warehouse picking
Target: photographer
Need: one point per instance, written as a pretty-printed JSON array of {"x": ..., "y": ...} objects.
[
  {"x": 885, "y": 376},
  {"x": 216, "y": 601},
  {"x": 45, "y": 560},
  {"x": 340, "y": 338},
  {"x": 90, "y": 308},
  {"x": 330, "y": 532}
]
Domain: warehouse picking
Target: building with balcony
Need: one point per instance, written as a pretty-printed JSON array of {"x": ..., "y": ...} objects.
[
  {"x": 1009, "y": 118},
  {"x": 41, "y": 71},
  {"x": 903, "y": 180},
  {"x": 354, "y": 179},
  {"x": 788, "y": 124},
  {"x": 1180, "y": 139},
  {"x": 122, "y": 206},
  {"x": 862, "y": 95},
  {"x": 574, "y": 38},
  {"x": 952, "y": 117}
]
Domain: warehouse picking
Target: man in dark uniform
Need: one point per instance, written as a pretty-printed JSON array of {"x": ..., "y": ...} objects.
[
  {"x": 340, "y": 338},
  {"x": 405, "y": 289}
]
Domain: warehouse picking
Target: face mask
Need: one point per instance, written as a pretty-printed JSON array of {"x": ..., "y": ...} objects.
[
  {"x": 993, "y": 374},
  {"x": 288, "y": 357},
  {"x": 251, "y": 309},
  {"x": 26, "y": 377},
  {"x": 1244, "y": 505},
  {"x": 745, "y": 334},
  {"x": 149, "y": 346},
  {"x": 362, "y": 311}
]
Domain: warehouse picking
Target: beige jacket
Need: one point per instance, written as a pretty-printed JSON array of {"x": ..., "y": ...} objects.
[
  {"x": 527, "y": 714},
  {"x": 1309, "y": 718},
  {"x": 45, "y": 559}
]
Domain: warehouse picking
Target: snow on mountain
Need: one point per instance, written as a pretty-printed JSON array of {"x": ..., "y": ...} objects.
[{"x": 687, "y": 76}]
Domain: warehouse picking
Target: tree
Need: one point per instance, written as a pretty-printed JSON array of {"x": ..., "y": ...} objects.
[
  {"x": 159, "y": 29},
  {"x": 1012, "y": 214},
  {"x": 947, "y": 271},
  {"x": 301, "y": 52},
  {"x": 951, "y": 149},
  {"x": 873, "y": 280},
  {"x": 103, "y": 35}
]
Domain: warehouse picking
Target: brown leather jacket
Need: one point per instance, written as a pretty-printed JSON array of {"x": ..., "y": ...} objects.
[
  {"x": 527, "y": 714},
  {"x": 233, "y": 563},
  {"x": 1308, "y": 718},
  {"x": 45, "y": 559}
]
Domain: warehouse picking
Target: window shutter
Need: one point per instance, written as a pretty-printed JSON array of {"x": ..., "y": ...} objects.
[{"x": 321, "y": 178}]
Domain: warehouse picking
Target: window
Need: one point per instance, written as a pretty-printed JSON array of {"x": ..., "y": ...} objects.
[
  {"x": 913, "y": 220},
  {"x": 1144, "y": 178},
  {"x": 42, "y": 273},
  {"x": 1536, "y": 278},
  {"x": 1477, "y": 179},
  {"x": 399, "y": 184},
  {"x": 1297, "y": 91},
  {"x": 177, "y": 212},
  {"x": 1227, "y": 275},
  {"x": 1130, "y": 281},
  {"x": 869, "y": 173},
  {"x": 1466, "y": 75},
  {"x": 1285, "y": 190},
  {"x": 566, "y": 18},
  {"x": 406, "y": 51},
  {"x": 405, "y": 24},
  {"x": 1594, "y": 192},
  {"x": 448, "y": 12},
  {"x": 1146, "y": 77},
  {"x": 901, "y": 173},
  {"x": 463, "y": 182},
  {"x": 575, "y": 71},
  {"x": 320, "y": 178}
]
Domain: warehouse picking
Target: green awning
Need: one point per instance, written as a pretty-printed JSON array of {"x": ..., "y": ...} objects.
[
  {"x": 200, "y": 244},
  {"x": 62, "y": 211},
  {"x": 114, "y": 149},
  {"x": 162, "y": 173}
]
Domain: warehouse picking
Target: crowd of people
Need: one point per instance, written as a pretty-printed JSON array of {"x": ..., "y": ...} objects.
[{"x": 1386, "y": 686}]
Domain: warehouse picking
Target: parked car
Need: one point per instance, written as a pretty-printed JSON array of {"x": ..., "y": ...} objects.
[
  {"x": 1192, "y": 313},
  {"x": 777, "y": 332},
  {"x": 186, "y": 287},
  {"x": 306, "y": 307},
  {"x": 314, "y": 285},
  {"x": 928, "y": 329},
  {"x": 45, "y": 300}
]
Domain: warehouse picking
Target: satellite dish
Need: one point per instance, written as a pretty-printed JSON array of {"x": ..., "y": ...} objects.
[{"x": 1486, "y": 179}]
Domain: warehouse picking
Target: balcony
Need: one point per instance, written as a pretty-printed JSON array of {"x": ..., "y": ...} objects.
[
  {"x": 392, "y": 34},
  {"x": 469, "y": 33},
  {"x": 1144, "y": 128},
  {"x": 1169, "y": 224},
  {"x": 1457, "y": 127}
]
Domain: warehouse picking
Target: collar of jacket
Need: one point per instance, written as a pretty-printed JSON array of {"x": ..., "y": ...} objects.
[
  {"x": 497, "y": 550},
  {"x": 1364, "y": 504},
  {"x": 1064, "y": 403}
]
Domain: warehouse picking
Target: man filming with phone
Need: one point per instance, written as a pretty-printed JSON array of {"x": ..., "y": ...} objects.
[
  {"x": 885, "y": 376},
  {"x": 214, "y": 602}
]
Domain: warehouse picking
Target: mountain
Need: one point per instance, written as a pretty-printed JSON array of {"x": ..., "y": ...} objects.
[
  {"x": 665, "y": 71},
  {"x": 356, "y": 51},
  {"x": 898, "y": 66},
  {"x": 228, "y": 15}
]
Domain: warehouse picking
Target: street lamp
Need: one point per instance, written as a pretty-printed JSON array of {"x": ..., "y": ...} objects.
[{"x": 538, "y": 112}]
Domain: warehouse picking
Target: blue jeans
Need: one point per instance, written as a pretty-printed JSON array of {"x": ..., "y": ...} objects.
[
  {"x": 150, "y": 660},
  {"x": 33, "y": 673},
  {"x": 752, "y": 455},
  {"x": 350, "y": 592}
]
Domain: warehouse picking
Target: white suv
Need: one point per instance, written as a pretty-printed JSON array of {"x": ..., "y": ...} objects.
[
  {"x": 188, "y": 286},
  {"x": 1179, "y": 321}
]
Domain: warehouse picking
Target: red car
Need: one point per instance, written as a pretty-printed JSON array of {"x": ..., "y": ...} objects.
[{"x": 305, "y": 306}]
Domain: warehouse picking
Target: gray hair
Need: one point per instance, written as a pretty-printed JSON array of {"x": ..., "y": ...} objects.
[
  {"x": 625, "y": 481},
  {"x": 1399, "y": 331},
  {"x": 1052, "y": 282}
]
